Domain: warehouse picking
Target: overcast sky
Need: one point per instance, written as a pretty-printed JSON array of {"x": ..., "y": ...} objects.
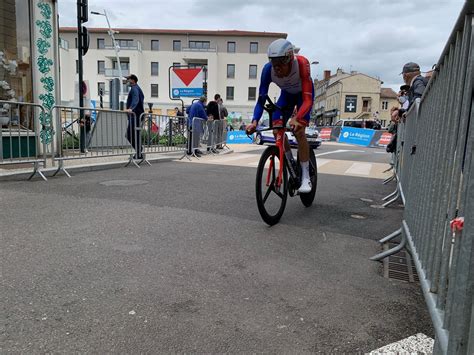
[{"x": 375, "y": 37}]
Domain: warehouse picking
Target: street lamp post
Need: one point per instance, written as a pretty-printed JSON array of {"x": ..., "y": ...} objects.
[{"x": 111, "y": 33}]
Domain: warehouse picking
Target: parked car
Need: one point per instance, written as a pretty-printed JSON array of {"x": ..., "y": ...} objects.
[
  {"x": 369, "y": 124},
  {"x": 312, "y": 135}
]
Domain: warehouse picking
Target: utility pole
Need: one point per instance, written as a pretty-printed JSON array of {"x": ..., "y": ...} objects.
[{"x": 82, "y": 48}]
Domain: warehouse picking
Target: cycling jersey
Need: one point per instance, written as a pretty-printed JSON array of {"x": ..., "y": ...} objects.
[{"x": 296, "y": 90}]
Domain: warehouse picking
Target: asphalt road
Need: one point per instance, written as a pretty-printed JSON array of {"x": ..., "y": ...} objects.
[{"x": 175, "y": 258}]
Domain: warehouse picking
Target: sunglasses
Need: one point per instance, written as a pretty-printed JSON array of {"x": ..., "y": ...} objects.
[{"x": 280, "y": 60}]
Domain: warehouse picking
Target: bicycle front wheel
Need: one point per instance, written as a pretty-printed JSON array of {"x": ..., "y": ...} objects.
[{"x": 271, "y": 198}]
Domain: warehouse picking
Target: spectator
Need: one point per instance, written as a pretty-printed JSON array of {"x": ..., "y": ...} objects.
[
  {"x": 197, "y": 110},
  {"x": 213, "y": 113},
  {"x": 243, "y": 126},
  {"x": 223, "y": 113},
  {"x": 417, "y": 83},
  {"x": 134, "y": 105},
  {"x": 181, "y": 119}
]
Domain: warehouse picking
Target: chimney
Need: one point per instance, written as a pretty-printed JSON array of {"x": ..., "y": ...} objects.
[{"x": 327, "y": 75}]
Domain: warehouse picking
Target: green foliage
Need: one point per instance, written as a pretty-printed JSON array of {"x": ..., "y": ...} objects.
[{"x": 70, "y": 142}]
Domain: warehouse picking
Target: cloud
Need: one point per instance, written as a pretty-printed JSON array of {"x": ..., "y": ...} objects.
[{"x": 372, "y": 36}]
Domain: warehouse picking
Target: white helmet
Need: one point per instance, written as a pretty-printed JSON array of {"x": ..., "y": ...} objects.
[{"x": 281, "y": 50}]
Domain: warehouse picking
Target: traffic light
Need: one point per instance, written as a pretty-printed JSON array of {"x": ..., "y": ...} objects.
[
  {"x": 84, "y": 40},
  {"x": 83, "y": 34},
  {"x": 84, "y": 10}
]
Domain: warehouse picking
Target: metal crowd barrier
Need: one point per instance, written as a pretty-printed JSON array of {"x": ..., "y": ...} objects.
[
  {"x": 101, "y": 133},
  {"x": 163, "y": 134},
  {"x": 435, "y": 176},
  {"x": 20, "y": 135},
  {"x": 207, "y": 135}
]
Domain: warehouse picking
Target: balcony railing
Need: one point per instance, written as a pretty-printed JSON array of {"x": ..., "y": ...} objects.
[
  {"x": 114, "y": 73},
  {"x": 136, "y": 46},
  {"x": 189, "y": 49}
]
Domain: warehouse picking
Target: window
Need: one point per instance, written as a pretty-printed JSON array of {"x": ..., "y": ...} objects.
[
  {"x": 199, "y": 44},
  {"x": 125, "y": 43},
  {"x": 176, "y": 46},
  {"x": 77, "y": 66},
  {"x": 253, "y": 47},
  {"x": 100, "y": 67},
  {"x": 230, "y": 47},
  {"x": 154, "y": 90},
  {"x": 63, "y": 43},
  {"x": 123, "y": 65},
  {"x": 252, "y": 71},
  {"x": 154, "y": 68},
  {"x": 100, "y": 86},
  {"x": 75, "y": 42},
  {"x": 252, "y": 93},
  {"x": 231, "y": 70},
  {"x": 100, "y": 43},
  {"x": 195, "y": 65},
  {"x": 384, "y": 105},
  {"x": 155, "y": 45},
  {"x": 176, "y": 64},
  {"x": 229, "y": 93}
]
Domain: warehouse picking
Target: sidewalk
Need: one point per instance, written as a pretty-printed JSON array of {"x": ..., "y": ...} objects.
[{"x": 23, "y": 171}]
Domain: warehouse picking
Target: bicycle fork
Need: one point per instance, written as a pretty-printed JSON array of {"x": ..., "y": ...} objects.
[{"x": 280, "y": 143}]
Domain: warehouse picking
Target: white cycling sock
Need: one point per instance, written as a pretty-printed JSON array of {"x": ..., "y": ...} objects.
[{"x": 305, "y": 169}]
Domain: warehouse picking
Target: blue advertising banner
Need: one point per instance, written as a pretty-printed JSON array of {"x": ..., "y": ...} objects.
[
  {"x": 358, "y": 136},
  {"x": 238, "y": 137}
]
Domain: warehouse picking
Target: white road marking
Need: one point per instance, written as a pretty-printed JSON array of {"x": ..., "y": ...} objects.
[
  {"x": 359, "y": 169},
  {"x": 321, "y": 162},
  {"x": 340, "y": 151}
]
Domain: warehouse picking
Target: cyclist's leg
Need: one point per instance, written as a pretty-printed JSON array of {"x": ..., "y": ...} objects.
[
  {"x": 300, "y": 134},
  {"x": 303, "y": 152},
  {"x": 279, "y": 117}
]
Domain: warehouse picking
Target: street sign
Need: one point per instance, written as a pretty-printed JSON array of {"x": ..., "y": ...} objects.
[
  {"x": 351, "y": 103},
  {"x": 187, "y": 82}
]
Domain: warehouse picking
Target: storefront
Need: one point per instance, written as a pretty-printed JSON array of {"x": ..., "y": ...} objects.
[{"x": 29, "y": 65}]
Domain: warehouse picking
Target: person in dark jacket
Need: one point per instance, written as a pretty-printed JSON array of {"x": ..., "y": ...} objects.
[
  {"x": 214, "y": 113},
  {"x": 134, "y": 105},
  {"x": 417, "y": 83},
  {"x": 197, "y": 110}
]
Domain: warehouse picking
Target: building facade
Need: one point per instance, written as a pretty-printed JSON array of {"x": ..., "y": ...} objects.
[
  {"x": 234, "y": 61},
  {"x": 29, "y": 67},
  {"x": 352, "y": 96}
]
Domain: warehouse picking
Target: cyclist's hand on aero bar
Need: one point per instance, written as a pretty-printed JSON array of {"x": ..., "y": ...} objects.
[
  {"x": 251, "y": 128},
  {"x": 294, "y": 124}
]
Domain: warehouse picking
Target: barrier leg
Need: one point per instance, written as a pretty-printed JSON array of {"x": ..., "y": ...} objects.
[
  {"x": 61, "y": 168},
  {"x": 391, "y": 195},
  {"x": 390, "y": 168},
  {"x": 36, "y": 170},
  {"x": 132, "y": 161},
  {"x": 388, "y": 203},
  {"x": 390, "y": 236},
  {"x": 392, "y": 251},
  {"x": 387, "y": 180}
]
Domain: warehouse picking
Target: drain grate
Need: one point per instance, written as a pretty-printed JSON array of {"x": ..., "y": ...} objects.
[{"x": 399, "y": 266}]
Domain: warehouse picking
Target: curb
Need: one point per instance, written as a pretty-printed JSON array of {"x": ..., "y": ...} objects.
[{"x": 15, "y": 176}]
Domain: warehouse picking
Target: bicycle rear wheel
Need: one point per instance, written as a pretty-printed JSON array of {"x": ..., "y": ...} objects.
[
  {"x": 308, "y": 198},
  {"x": 271, "y": 200}
]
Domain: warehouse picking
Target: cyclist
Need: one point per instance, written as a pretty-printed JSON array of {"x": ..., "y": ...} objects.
[{"x": 291, "y": 73}]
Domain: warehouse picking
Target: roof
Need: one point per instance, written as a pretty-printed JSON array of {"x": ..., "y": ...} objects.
[
  {"x": 388, "y": 93},
  {"x": 182, "y": 32}
]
